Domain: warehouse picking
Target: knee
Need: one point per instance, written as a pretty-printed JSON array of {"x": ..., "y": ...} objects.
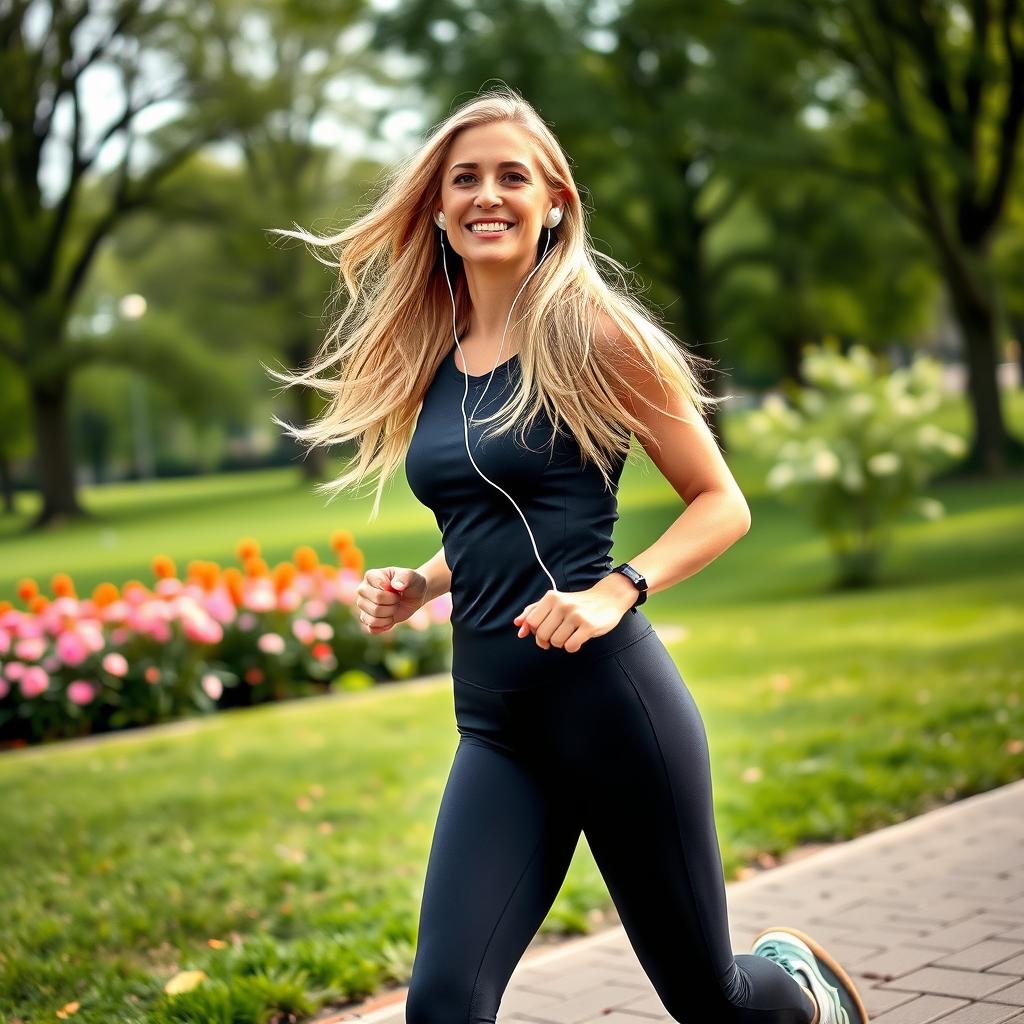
[{"x": 436, "y": 997}]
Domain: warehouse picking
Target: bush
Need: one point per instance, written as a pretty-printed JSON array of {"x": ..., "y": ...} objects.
[{"x": 855, "y": 448}]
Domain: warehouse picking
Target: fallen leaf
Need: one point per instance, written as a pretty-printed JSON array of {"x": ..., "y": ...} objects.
[{"x": 184, "y": 981}]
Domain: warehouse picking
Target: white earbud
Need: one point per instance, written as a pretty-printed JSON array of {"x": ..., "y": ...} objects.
[{"x": 439, "y": 220}]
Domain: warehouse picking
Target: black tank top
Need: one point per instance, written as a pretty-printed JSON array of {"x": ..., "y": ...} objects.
[{"x": 495, "y": 573}]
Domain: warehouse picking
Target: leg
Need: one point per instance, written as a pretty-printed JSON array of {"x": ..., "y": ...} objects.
[
  {"x": 650, "y": 824},
  {"x": 502, "y": 844}
]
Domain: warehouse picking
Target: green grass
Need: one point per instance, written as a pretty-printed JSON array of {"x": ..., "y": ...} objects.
[{"x": 828, "y": 714}]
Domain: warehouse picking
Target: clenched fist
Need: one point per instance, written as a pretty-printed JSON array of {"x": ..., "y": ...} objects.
[{"x": 387, "y": 596}]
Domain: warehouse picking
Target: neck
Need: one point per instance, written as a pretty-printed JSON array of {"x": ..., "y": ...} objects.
[{"x": 492, "y": 289}]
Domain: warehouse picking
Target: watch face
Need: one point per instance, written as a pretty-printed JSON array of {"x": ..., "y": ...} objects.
[{"x": 632, "y": 574}]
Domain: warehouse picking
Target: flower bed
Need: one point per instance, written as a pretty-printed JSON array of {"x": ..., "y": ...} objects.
[{"x": 220, "y": 637}]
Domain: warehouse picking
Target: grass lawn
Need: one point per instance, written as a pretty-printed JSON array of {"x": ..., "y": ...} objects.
[{"x": 281, "y": 848}]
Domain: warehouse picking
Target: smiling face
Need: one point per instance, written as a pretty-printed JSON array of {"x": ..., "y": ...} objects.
[{"x": 492, "y": 175}]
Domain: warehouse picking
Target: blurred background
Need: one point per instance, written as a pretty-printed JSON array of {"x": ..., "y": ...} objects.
[{"x": 824, "y": 197}]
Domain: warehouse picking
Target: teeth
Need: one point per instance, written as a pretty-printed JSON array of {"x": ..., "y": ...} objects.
[{"x": 492, "y": 226}]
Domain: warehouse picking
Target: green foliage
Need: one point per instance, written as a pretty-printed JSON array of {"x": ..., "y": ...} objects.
[{"x": 854, "y": 449}]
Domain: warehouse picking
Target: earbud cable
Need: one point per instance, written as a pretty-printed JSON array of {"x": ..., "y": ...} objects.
[{"x": 465, "y": 394}]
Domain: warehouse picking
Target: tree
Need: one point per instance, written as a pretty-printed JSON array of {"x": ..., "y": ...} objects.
[
  {"x": 54, "y": 230},
  {"x": 930, "y": 103}
]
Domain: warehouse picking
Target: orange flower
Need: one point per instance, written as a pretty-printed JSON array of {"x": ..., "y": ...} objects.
[
  {"x": 5, "y": 606},
  {"x": 352, "y": 559},
  {"x": 210, "y": 574},
  {"x": 163, "y": 567},
  {"x": 27, "y": 589},
  {"x": 248, "y": 547},
  {"x": 233, "y": 580},
  {"x": 284, "y": 575},
  {"x": 341, "y": 539},
  {"x": 104, "y": 594},
  {"x": 62, "y": 585},
  {"x": 330, "y": 571},
  {"x": 255, "y": 566},
  {"x": 38, "y": 604},
  {"x": 306, "y": 558}
]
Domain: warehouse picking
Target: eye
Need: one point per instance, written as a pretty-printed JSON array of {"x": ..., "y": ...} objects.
[{"x": 466, "y": 174}]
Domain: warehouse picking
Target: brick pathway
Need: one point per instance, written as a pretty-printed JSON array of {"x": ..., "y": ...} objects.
[{"x": 927, "y": 916}]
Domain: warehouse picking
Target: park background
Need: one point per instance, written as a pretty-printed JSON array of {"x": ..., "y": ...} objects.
[{"x": 823, "y": 197}]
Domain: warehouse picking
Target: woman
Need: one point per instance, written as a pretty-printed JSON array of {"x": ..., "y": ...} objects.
[{"x": 572, "y": 716}]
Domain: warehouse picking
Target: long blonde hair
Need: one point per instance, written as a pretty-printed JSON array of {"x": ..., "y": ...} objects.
[{"x": 396, "y": 328}]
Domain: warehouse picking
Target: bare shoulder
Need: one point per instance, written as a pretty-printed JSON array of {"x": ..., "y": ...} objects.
[{"x": 672, "y": 430}]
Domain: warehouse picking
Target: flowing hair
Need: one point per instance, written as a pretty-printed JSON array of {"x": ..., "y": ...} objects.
[{"x": 384, "y": 348}]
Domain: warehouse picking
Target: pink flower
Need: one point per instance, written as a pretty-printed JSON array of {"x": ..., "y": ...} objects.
[
  {"x": 29, "y": 626},
  {"x": 200, "y": 628},
  {"x": 14, "y": 670},
  {"x": 81, "y": 691},
  {"x": 34, "y": 681},
  {"x": 159, "y": 631},
  {"x": 72, "y": 648},
  {"x": 323, "y": 630},
  {"x": 314, "y": 609},
  {"x": 92, "y": 633},
  {"x": 5, "y": 641},
  {"x": 346, "y": 584},
  {"x": 114, "y": 612},
  {"x": 116, "y": 664},
  {"x": 5, "y": 687},
  {"x": 303, "y": 630},
  {"x": 258, "y": 594},
  {"x": 289, "y": 599},
  {"x": 152, "y": 674},
  {"x": 220, "y": 606},
  {"x": 29, "y": 648},
  {"x": 271, "y": 643},
  {"x": 212, "y": 686},
  {"x": 246, "y": 620}
]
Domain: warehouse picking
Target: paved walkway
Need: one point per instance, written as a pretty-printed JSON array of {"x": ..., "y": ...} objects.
[{"x": 927, "y": 916}]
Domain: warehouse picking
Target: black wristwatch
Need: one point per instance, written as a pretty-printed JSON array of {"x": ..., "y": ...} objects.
[{"x": 638, "y": 581}]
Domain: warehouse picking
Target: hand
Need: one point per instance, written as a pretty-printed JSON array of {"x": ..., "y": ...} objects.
[
  {"x": 387, "y": 596},
  {"x": 569, "y": 620}
]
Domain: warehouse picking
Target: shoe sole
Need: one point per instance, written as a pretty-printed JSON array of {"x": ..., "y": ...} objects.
[{"x": 840, "y": 979}]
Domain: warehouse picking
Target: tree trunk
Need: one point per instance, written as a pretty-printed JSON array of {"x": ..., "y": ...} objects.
[
  {"x": 993, "y": 451},
  {"x": 1017, "y": 325},
  {"x": 7, "y": 486},
  {"x": 55, "y": 470}
]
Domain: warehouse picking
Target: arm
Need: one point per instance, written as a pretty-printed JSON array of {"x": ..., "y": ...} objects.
[
  {"x": 438, "y": 576},
  {"x": 716, "y": 513}
]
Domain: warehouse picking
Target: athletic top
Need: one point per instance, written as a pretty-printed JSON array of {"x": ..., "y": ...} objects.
[{"x": 495, "y": 572}]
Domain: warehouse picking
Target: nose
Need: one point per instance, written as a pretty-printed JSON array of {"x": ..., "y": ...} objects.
[{"x": 487, "y": 195}]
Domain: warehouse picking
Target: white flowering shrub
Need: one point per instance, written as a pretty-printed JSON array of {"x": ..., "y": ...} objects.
[{"x": 855, "y": 448}]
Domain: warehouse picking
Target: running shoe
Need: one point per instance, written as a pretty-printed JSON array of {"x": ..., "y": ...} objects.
[{"x": 814, "y": 968}]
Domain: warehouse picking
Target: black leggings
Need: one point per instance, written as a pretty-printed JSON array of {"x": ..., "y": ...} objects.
[{"x": 616, "y": 749}]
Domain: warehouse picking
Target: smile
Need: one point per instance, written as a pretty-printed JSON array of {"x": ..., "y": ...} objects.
[{"x": 490, "y": 228}]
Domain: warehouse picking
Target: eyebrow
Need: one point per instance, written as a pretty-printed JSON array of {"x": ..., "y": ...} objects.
[{"x": 504, "y": 163}]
